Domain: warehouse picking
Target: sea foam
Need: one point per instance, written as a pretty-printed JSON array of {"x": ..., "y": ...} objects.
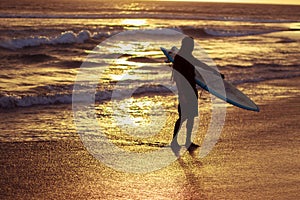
[{"x": 67, "y": 37}]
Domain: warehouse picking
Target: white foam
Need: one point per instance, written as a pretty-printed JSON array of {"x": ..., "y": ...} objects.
[
  {"x": 13, "y": 101},
  {"x": 67, "y": 37},
  {"x": 7, "y": 101},
  {"x": 226, "y": 33},
  {"x": 70, "y": 37}
]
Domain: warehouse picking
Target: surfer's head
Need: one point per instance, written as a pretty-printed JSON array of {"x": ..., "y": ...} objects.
[{"x": 187, "y": 44}]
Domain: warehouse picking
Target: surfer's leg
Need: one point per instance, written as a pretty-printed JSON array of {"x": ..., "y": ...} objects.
[
  {"x": 191, "y": 147},
  {"x": 177, "y": 128},
  {"x": 177, "y": 125},
  {"x": 189, "y": 129},
  {"x": 174, "y": 144}
]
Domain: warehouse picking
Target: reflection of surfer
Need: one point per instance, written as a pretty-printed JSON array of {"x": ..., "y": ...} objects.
[{"x": 184, "y": 76}]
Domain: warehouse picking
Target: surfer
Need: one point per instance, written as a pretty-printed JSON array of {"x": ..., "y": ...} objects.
[{"x": 184, "y": 77}]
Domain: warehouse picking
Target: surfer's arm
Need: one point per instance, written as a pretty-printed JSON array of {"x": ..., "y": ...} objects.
[{"x": 181, "y": 86}]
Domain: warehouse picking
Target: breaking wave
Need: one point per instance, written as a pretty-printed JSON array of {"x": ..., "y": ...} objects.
[
  {"x": 13, "y": 101},
  {"x": 227, "y": 33},
  {"x": 70, "y": 37},
  {"x": 67, "y": 37}
]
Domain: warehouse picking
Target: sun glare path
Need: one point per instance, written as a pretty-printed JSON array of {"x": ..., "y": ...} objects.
[{"x": 134, "y": 22}]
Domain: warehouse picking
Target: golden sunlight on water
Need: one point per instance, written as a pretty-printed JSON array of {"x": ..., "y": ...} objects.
[
  {"x": 143, "y": 123},
  {"x": 144, "y": 120},
  {"x": 136, "y": 23}
]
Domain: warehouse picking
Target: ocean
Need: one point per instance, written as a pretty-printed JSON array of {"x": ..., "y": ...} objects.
[{"x": 43, "y": 44}]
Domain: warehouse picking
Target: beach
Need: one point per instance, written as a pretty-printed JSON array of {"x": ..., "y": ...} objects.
[
  {"x": 256, "y": 157},
  {"x": 62, "y": 58}
]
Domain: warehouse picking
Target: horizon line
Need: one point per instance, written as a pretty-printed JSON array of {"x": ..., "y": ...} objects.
[{"x": 231, "y": 2}]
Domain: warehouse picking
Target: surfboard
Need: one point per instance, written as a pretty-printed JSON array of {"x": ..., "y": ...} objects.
[{"x": 229, "y": 93}]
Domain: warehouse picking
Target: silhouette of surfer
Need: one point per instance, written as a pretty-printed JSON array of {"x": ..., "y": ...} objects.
[{"x": 184, "y": 76}]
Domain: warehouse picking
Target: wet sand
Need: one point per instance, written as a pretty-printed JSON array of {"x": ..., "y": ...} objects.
[{"x": 257, "y": 157}]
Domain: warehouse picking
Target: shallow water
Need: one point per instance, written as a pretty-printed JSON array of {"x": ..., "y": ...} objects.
[{"x": 42, "y": 50}]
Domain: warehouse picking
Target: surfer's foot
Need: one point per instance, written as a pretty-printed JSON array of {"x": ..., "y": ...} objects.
[
  {"x": 192, "y": 147},
  {"x": 175, "y": 147}
]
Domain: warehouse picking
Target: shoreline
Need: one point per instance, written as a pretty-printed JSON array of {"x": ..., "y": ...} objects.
[{"x": 256, "y": 158}]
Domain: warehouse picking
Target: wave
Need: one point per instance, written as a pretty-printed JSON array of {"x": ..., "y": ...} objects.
[
  {"x": 14, "y": 101},
  {"x": 227, "y": 33},
  {"x": 211, "y": 32},
  {"x": 261, "y": 79},
  {"x": 70, "y": 37},
  {"x": 67, "y": 37},
  {"x": 7, "y": 102}
]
